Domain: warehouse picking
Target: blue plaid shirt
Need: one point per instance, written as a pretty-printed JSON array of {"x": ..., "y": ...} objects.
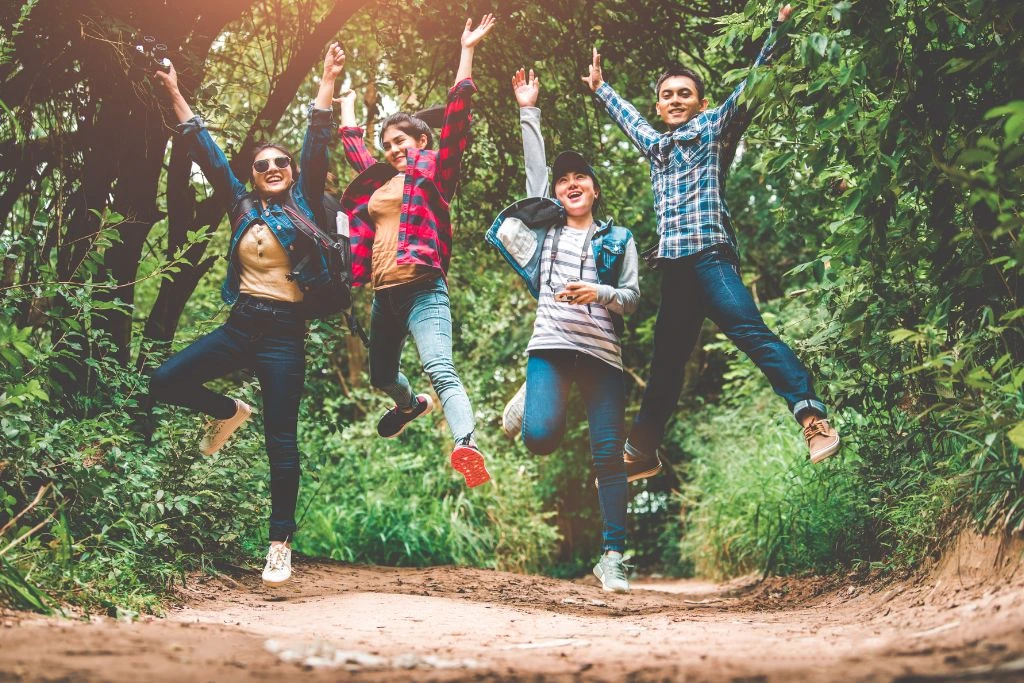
[{"x": 685, "y": 170}]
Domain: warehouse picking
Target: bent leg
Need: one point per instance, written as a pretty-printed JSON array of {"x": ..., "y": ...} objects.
[
  {"x": 548, "y": 379},
  {"x": 387, "y": 337},
  {"x": 180, "y": 379},
  {"x": 680, "y": 316}
]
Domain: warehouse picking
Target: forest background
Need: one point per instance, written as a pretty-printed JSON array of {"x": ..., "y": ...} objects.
[{"x": 877, "y": 197}]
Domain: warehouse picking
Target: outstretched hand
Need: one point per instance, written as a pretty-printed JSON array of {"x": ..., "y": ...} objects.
[
  {"x": 526, "y": 89},
  {"x": 784, "y": 12},
  {"x": 471, "y": 36},
  {"x": 594, "y": 79},
  {"x": 334, "y": 61},
  {"x": 168, "y": 79}
]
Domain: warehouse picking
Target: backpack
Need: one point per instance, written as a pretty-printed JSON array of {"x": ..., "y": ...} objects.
[{"x": 328, "y": 238}]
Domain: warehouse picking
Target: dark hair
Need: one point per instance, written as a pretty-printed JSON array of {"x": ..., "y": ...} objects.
[
  {"x": 411, "y": 125},
  {"x": 680, "y": 70},
  {"x": 260, "y": 146}
]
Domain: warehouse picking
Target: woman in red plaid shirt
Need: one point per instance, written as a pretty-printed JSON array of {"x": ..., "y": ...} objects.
[{"x": 401, "y": 236}]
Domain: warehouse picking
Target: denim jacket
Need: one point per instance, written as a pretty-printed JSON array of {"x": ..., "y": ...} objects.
[
  {"x": 246, "y": 208},
  {"x": 519, "y": 231}
]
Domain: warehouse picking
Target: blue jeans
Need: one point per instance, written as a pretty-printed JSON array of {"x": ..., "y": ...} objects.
[
  {"x": 708, "y": 285},
  {"x": 549, "y": 376},
  {"x": 267, "y": 336},
  {"x": 423, "y": 310}
]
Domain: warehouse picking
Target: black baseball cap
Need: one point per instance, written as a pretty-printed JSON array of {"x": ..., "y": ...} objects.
[{"x": 571, "y": 160}]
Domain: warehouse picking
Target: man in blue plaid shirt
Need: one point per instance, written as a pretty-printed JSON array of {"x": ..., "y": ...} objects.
[{"x": 697, "y": 254}]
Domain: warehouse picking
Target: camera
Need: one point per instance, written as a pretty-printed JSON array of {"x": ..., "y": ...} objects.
[{"x": 148, "y": 54}]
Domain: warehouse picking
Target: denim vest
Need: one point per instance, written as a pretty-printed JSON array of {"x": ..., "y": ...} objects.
[
  {"x": 518, "y": 234},
  {"x": 309, "y": 269}
]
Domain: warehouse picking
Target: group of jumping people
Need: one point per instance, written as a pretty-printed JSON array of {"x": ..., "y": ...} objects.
[{"x": 583, "y": 272}]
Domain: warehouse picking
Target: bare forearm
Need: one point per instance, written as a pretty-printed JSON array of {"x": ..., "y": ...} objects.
[
  {"x": 348, "y": 112},
  {"x": 181, "y": 109},
  {"x": 325, "y": 93},
  {"x": 465, "y": 65}
]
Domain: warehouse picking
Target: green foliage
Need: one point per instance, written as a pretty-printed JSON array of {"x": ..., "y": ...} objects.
[{"x": 881, "y": 177}]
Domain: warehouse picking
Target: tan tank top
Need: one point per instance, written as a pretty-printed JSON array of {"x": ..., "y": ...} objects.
[
  {"x": 265, "y": 266},
  {"x": 385, "y": 209}
]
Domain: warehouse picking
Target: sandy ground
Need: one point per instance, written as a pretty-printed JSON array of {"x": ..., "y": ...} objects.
[{"x": 961, "y": 620}]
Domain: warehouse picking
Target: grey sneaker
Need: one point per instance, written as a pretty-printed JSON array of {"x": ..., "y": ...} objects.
[
  {"x": 612, "y": 573},
  {"x": 219, "y": 431},
  {"x": 512, "y": 416}
]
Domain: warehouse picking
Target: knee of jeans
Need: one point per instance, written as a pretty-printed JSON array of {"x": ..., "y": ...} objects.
[
  {"x": 441, "y": 372},
  {"x": 752, "y": 336},
  {"x": 283, "y": 453},
  {"x": 382, "y": 381},
  {"x": 540, "y": 439},
  {"x": 610, "y": 465}
]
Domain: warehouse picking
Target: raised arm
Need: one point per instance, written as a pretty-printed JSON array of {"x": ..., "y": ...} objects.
[
  {"x": 313, "y": 158},
  {"x": 454, "y": 136},
  {"x": 470, "y": 39},
  {"x": 726, "y": 113},
  {"x": 203, "y": 150},
  {"x": 526, "y": 91},
  {"x": 633, "y": 124}
]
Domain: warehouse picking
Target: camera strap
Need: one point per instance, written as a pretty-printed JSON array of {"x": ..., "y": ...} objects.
[{"x": 583, "y": 252}]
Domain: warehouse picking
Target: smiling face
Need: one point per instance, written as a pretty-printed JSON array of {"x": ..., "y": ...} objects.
[
  {"x": 396, "y": 142},
  {"x": 679, "y": 101},
  {"x": 274, "y": 180},
  {"x": 575, "y": 190}
]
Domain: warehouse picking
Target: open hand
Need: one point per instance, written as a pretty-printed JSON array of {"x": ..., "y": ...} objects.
[
  {"x": 785, "y": 12},
  {"x": 168, "y": 79},
  {"x": 334, "y": 61},
  {"x": 582, "y": 293},
  {"x": 594, "y": 79},
  {"x": 470, "y": 38},
  {"x": 526, "y": 89}
]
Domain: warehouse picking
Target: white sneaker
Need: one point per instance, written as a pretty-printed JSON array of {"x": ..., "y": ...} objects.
[
  {"x": 219, "y": 431},
  {"x": 512, "y": 416},
  {"x": 612, "y": 573},
  {"x": 279, "y": 565}
]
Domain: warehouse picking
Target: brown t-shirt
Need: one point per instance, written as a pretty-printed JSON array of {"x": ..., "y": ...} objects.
[
  {"x": 385, "y": 209},
  {"x": 265, "y": 266}
]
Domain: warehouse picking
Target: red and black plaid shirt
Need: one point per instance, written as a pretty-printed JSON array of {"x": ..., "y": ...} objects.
[{"x": 431, "y": 178}]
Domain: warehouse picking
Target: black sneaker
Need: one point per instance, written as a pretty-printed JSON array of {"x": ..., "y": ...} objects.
[
  {"x": 394, "y": 422},
  {"x": 639, "y": 465}
]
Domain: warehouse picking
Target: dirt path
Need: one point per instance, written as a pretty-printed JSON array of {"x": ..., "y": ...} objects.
[{"x": 965, "y": 621}]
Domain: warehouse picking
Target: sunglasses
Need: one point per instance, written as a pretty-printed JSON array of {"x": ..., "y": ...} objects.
[{"x": 263, "y": 165}]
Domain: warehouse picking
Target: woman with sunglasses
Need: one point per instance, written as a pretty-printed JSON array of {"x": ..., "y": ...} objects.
[
  {"x": 270, "y": 264},
  {"x": 401, "y": 236},
  {"x": 584, "y": 275}
]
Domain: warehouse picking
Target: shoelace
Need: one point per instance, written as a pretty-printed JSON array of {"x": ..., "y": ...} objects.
[
  {"x": 816, "y": 428},
  {"x": 276, "y": 557},
  {"x": 617, "y": 568}
]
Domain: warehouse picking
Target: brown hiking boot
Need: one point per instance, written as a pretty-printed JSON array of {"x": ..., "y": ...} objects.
[{"x": 822, "y": 439}]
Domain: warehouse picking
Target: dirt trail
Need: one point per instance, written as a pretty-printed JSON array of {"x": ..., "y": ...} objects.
[{"x": 963, "y": 621}]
